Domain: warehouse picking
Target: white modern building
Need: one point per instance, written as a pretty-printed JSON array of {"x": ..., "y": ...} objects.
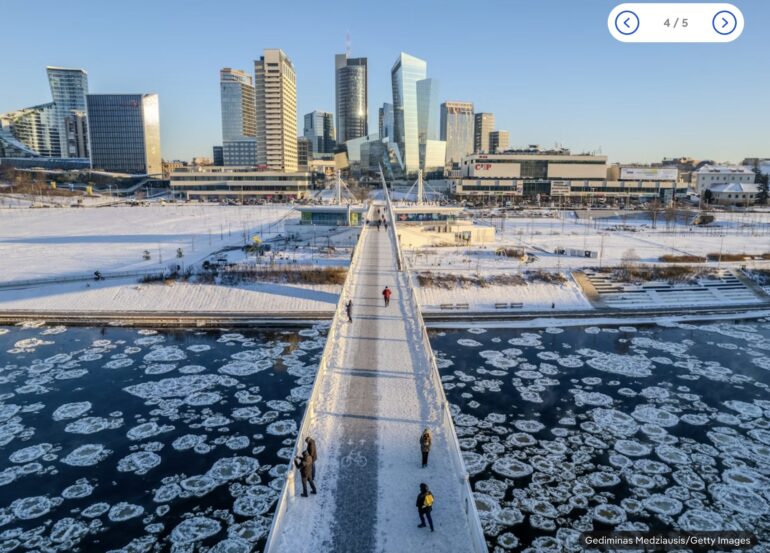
[
  {"x": 275, "y": 86},
  {"x": 239, "y": 183},
  {"x": 710, "y": 175}
]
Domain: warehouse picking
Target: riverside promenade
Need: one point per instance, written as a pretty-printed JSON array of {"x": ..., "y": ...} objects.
[{"x": 377, "y": 388}]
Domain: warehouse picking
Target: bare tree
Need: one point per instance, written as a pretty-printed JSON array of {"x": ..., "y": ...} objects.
[
  {"x": 653, "y": 211},
  {"x": 669, "y": 215},
  {"x": 630, "y": 259}
]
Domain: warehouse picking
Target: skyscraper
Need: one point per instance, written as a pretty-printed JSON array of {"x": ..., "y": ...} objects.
[
  {"x": 484, "y": 123},
  {"x": 457, "y": 130},
  {"x": 351, "y": 91},
  {"x": 385, "y": 119},
  {"x": 319, "y": 129},
  {"x": 498, "y": 141},
  {"x": 68, "y": 89},
  {"x": 124, "y": 133},
  {"x": 275, "y": 86},
  {"x": 239, "y": 120},
  {"x": 404, "y": 76}
]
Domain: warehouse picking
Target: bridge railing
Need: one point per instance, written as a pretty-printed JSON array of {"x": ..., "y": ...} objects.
[
  {"x": 469, "y": 503},
  {"x": 289, "y": 491}
]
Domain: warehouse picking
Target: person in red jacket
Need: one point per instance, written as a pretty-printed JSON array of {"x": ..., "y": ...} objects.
[{"x": 386, "y": 294}]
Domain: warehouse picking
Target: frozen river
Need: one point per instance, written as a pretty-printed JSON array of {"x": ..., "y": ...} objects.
[
  {"x": 647, "y": 427},
  {"x": 114, "y": 437}
]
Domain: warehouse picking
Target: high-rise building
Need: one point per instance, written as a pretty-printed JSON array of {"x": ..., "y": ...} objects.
[
  {"x": 319, "y": 129},
  {"x": 275, "y": 86},
  {"x": 238, "y": 104},
  {"x": 239, "y": 120},
  {"x": 404, "y": 76},
  {"x": 385, "y": 119},
  {"x": 428, "y": 123},
  {"x": 304, "y": 153},
  {"x": 457, "y": 130},
  {"x": 35, "y": 127},
  {"x": 498, "y": 141},
  {"x": 124, "y": 133},
  {"x": 351, "y": 91},
  {"x": 69, "y": 88},
  {"x": 484, "y": 124}
]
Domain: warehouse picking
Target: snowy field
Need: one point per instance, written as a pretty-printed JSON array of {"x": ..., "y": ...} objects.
[
  {"x": 535, "y": 296},
  {"x": 44, "y": 243},
  {"x": 733, "y": 233},
  {"x": 177, "y": 297}
]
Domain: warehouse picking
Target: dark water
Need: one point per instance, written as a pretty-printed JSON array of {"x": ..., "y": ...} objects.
[
  {"x": 180, "y": 438},
  {"x": 635, "y": 428}
]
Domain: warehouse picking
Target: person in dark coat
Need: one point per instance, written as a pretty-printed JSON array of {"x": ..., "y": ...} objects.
[
  {"x": 304, "y": 464},
  {"x": 349, "y": 310},
  {"x": 313, "y": 450},
  {"x": 425, "y": 443},
  {"x": 386, "y": 296},
  {"x": 425, "y": 506},
  {"x": 378, "y": 225}
]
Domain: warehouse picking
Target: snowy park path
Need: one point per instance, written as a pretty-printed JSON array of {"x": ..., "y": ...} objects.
[{"x": 376, "y": 397}]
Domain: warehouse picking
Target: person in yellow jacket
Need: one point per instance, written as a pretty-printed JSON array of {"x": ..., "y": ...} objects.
[{"x": 425, "y": 506}]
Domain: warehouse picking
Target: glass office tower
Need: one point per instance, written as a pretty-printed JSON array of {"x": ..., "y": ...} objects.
[
  {"x": 124, "y": 132},
  {"x": 69, "y": 88},
  {"x": 239, "y": 118},
  {"x": 427, "y": 118},
  {"x": 319, "y": 129},
  {"x": 404, "y": 76},
  {"x": 351, "y": 91},
  {"x": 457, "y": 125},
  {"x": 386, "y": 122}
]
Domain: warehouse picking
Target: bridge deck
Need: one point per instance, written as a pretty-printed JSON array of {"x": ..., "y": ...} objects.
[{"x": 375, "y": 399}]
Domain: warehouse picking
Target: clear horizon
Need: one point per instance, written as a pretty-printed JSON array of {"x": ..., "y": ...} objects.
[{"x": 549, "y": 70}]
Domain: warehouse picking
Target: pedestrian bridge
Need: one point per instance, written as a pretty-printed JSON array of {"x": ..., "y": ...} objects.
[{"x": 376, "y": 389}]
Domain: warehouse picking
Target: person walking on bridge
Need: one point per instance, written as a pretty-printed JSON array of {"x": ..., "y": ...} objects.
[
  {"x": 425, "y": 443},
  {"x": 349, "y": 310},
  {"x": 313, "y": 450},
  {"x": 304, "y": 464},
  {"x": 425, "y": 506},
  {"x": 378, "y": 225},
  {"x": 386, "y": 296}
]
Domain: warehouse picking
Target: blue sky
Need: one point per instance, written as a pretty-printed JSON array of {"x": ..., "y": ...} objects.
[{"x": 548, "y": 69}]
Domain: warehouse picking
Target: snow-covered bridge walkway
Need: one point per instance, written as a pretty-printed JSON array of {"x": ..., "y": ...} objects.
[{"x": 376, "y": 390}]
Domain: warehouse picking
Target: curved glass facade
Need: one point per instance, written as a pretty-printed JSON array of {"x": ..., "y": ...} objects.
[{"x": 404, "y": 76}]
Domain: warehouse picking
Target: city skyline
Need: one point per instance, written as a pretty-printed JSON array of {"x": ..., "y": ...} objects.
[{"x": 637, "y": 103}]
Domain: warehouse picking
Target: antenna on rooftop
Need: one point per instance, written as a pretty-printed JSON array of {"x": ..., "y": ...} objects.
[{"x": 347, "y": 45}]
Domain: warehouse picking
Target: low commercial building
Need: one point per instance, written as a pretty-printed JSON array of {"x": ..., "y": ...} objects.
[
  {"x": 537, "y": 174},
  {"x": 734, "y": 193},
  {"x": 711, "y": 175},
  {"x": 239, "y": 183}
]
